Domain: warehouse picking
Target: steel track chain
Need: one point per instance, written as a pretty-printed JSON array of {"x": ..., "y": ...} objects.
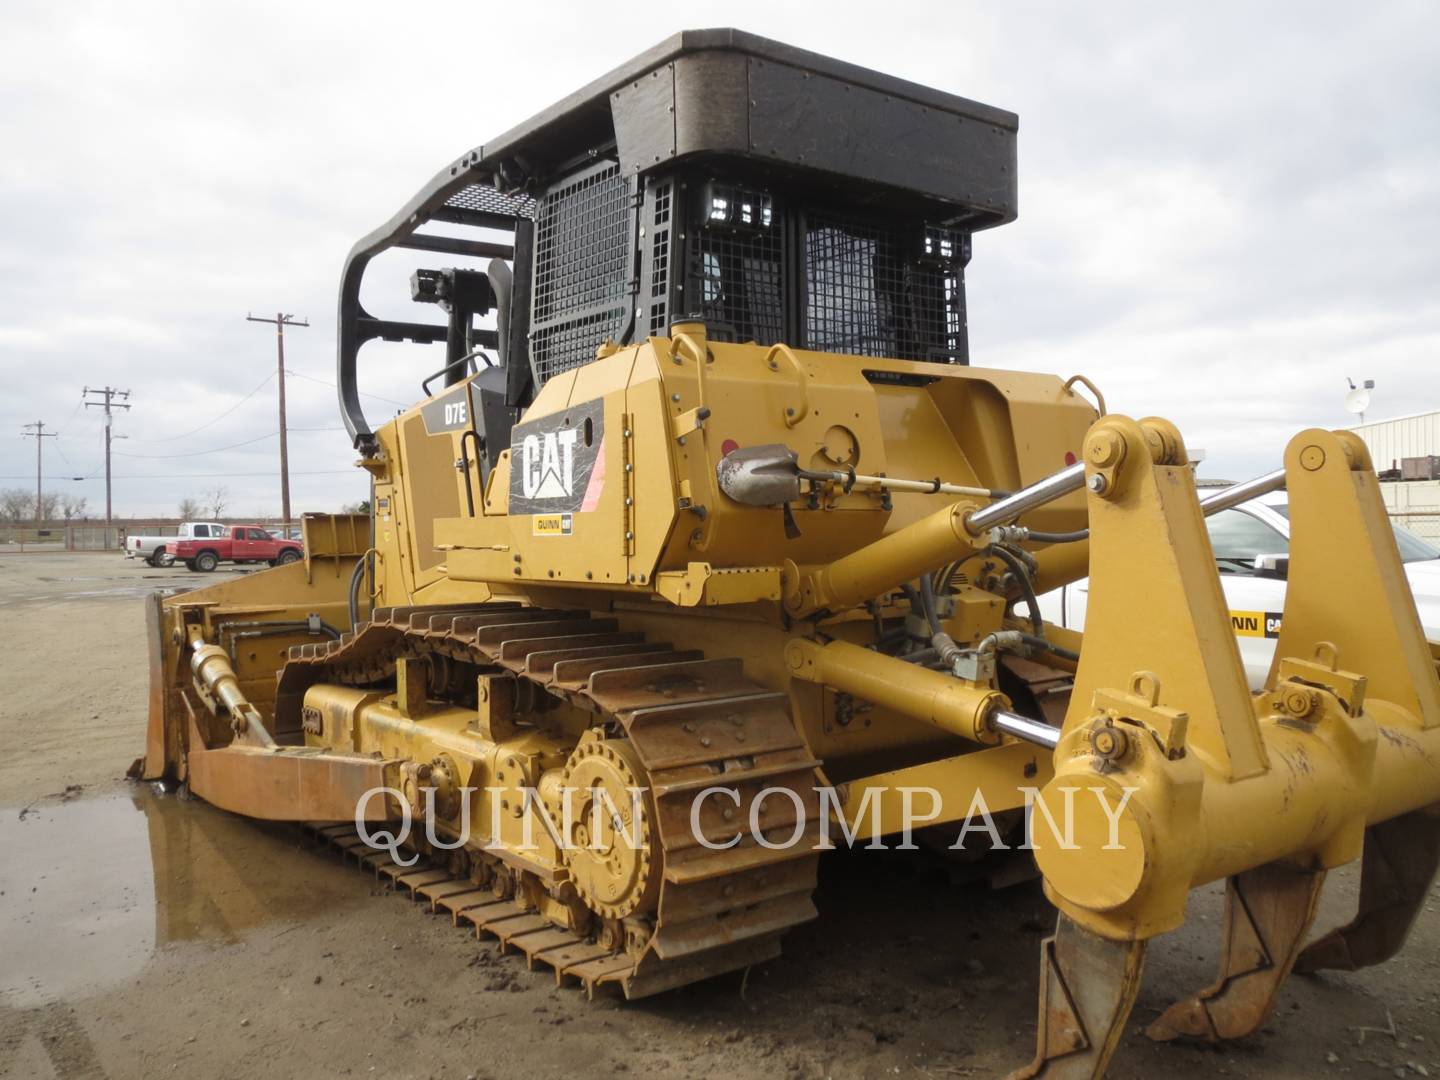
[{"x": 694, "y": 723}]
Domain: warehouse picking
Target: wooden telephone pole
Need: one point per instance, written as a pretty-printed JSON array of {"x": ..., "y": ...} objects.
[
  {"x": 39, "y": 434},
  {"x": 107, "y": 396},
  {"x": 281, "y": 321}
]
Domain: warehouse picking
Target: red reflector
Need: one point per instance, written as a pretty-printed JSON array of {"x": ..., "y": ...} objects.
[
  {"x": 729, "y": 446},
  {"x": 1070, "y": 458}
]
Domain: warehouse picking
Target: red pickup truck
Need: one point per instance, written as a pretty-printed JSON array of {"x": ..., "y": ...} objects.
[{"x": 240, "y": 544}]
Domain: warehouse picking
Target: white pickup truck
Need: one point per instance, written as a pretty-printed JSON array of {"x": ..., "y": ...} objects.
[
  {"x": 1246, "y": 540},
  {"x": 153, "y": 549}
]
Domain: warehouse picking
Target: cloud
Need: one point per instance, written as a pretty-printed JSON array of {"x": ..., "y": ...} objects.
[{"x": 1225, "y": 209}]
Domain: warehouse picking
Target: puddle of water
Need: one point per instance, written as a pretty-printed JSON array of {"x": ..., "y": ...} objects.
[{"x": 91, "y": 890}]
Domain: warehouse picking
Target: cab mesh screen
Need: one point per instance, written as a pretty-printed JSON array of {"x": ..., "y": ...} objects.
[
  {"x": 873, "y": 290},
  {"x": 582, "y": 269},
  {"x": 741, "y": 275}
]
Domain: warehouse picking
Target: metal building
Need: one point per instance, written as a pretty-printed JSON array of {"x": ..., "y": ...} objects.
[{"x": 1408, "y": 446}]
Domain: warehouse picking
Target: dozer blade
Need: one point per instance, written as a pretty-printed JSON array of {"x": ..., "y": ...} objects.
[
  {"x": 1268, "y": 912},
  {"x": 1087, "y": 989},
  {"x": 1401, "y": 857}
]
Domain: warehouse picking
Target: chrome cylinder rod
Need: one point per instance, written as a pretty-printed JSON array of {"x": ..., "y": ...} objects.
[
  {"x": 1235, "y": 494},
  {"x": 1055, "y": 486},
  {"x": 1022, "y": 727}
]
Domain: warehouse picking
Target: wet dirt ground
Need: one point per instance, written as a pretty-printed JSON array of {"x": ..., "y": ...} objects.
[{"x": 146, "y": 936}]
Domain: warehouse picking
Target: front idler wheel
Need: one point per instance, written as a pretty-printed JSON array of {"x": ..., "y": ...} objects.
[{"x": 611, "y": 848}]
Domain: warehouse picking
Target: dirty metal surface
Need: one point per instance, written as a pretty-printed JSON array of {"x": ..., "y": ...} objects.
[
  {"x": 693, "y": 723},
  {"x": 1397, "y": 871},
  {"x": 1268, "y": 912}
]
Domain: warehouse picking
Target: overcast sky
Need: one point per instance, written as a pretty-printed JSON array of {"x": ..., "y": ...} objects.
[{"x": 1225, "y": 209}]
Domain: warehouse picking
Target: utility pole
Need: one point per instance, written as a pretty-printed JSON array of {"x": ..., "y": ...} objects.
[
  {"x": 281, "y": 320},
  {"x": 39, "y": 435},
  {"x": 107, "y": 396}
]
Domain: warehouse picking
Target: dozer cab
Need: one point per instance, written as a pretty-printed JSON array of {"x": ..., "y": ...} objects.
[{"x": 707, "y": 543}]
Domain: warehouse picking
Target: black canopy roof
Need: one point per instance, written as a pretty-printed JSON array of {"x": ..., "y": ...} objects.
[{"x": 721, "y": 94}]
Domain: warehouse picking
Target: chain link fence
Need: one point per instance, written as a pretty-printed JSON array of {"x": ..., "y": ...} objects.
[
  {"x": 27, "y": 537},
  {"x": 17, "y": 539}
]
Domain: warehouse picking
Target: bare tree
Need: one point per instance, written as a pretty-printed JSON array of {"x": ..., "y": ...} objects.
[
  {"x": 15, "y": 504},
  {"x": 48, "y": 508},
  {"x": 217, "y": 499},
  {"x": 190, "y": 508},
  {"x": 72, "y": 506}
]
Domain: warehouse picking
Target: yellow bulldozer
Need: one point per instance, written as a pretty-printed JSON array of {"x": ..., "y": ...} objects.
[{"x": 707, "y": 545}]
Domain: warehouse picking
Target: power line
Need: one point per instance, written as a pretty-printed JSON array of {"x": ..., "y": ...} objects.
[
  {"x": 215, "y": 476},
  {"x": 201, "y": 453},
  {"x": 362, "y": 393},
  {"x": 61, "y": 452},
  {"x": 260, "y": 386},
  {"x": 216, "y": 419},
  {"x": 65, "y": 458},
  {"x": 66, "y": 425},
  {"x": 219, "y": 449},
  {"x": 193, "y": 476}
]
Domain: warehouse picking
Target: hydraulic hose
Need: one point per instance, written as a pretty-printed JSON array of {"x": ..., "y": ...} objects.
[
  {"x": 1060, "y": 538},
  {"x": 920, "y": 547},
  {"x": 1046, "y": 645},
  {"x": 943, "y": 644},
  {"x": 356, "y": 576},
  {"x": 1022, "y": 575},
  {"x": 927, "y": 604}
]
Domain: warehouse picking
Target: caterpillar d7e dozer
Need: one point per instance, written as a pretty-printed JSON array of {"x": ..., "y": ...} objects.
[{"x": 709, "y": 523}]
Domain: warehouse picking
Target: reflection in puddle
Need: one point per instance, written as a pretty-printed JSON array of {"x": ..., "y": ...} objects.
[{"x": 90, "y": 890}]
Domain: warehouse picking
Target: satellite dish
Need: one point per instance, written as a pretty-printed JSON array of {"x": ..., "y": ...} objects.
[{"x": 1357, "y": 401}]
